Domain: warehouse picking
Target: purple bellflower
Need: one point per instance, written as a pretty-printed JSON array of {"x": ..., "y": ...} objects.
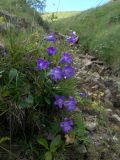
[
  {"x": 51, "y": 50},
  {"x": 68, "y": 71},
  {"x": 50, "y": 38},
  {"x": 67, "y": 58},
  {"x": 83, "y": 94},
  {"x": 72, "y": 39},
  {"x": 66, "y": 125},
  {"x": 59, "y": 101},
  {"x": 70, "y": 104},
  {"x": 42, "y": 64},
  {"x": 56, "y": 73}
]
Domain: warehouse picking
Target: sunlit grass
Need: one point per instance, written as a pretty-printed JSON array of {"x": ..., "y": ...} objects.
[
  {"x": 98, "y": 30},
  {"x": 59, "y": 15}
]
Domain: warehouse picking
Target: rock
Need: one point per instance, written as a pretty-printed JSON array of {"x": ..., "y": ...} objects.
[
  {"x": 82, "y": 149},
  {"x": 87, "y": 57},
  {"x": 12, "y": 20},
  {"x": 98, "y": 62},
  {"x": 87, "y": 62},
  {"x": 115, "y": 118},
  {"x": 109, "y": 111},
  {"x": 115, "y": 139},
  {"x": 95, "y": 76},
  {"x": 91, "y": 126},
  {"x": 96, "y": 87},
  {"x": 108, "y": 93}
]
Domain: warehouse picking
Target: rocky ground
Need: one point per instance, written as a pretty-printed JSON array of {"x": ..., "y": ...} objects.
[{"x": 102, "y": 116}]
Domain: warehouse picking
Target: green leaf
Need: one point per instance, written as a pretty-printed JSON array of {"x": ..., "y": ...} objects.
[
  {"x": 56, "y": 142},
  {"x": 3, "y": 139},
  {"x": 30, "y": 99},
  {"x": 5, "y": 93},
  {"x": 28, "y": 102},
  {"x": 48, "y": 156},
  {"x": 47, "y": 100},
  {"x": 13, "y": 74},
  {"x": 1, "y": 72},
  {"x": 43, "y": 142}
]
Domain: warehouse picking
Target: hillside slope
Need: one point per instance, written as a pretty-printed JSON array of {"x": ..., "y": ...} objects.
[
  {"x": 59, "y": 15},
  {"x": 98, "y": 30},
  {"x": 19, "y": 9}
]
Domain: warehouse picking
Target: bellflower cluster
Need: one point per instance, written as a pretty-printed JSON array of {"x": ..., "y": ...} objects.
[
  {"x": 64, "y": 70},
  {"x": 70, "y": 104},
  {"x": 57, "y": 73}
]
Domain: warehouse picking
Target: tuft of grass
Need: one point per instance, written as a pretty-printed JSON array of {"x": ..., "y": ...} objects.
[{"x": 98, "y": 30}]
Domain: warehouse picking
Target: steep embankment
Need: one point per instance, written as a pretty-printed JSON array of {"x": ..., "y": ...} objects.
[
  {"x": 18, "y": 11},
  {"x": 19, "y": 22},
  {"x": 98, "y": 30}
]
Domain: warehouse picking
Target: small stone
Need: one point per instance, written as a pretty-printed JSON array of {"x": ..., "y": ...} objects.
[
  {"x": 87, "y": 62},
  {"x": 115, "y": 118},
  {"x": 109, "y": 111},
  {"x": 115, "y": 139},
  {"x": 108, "y": 93},
  {"x": 91, "y": 126},
  {"x": 95, "y": 77},
  {"x": 82, "y": 149},
  {"x": 96, "y": 87}
]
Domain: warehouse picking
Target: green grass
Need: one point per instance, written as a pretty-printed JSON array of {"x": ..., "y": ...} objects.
[
  {"x": 98, "y": 29},
  {"x": 59, "y": 15}
]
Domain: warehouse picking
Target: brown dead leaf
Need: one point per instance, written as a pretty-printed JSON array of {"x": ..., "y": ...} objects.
[{"x": 69, "y": 139}]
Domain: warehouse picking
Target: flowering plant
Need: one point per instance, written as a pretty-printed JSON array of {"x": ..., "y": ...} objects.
[
  {"x": 56, "y": 73},
  {"x": 38, "y": 92}
]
